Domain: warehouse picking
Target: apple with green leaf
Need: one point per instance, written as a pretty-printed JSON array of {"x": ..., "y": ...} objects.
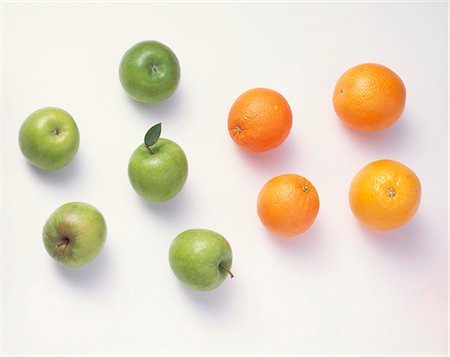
[
  {"x": 158, "y": 168},
  {"x": 74, "y": 234},
  {"x": 201, "y": 259},
  {"x": 149, "y": 72},
  {"x": 49, "y": 138}
]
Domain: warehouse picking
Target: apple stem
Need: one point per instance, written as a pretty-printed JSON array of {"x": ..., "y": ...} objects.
[
  {"x": 61, "y": 247},
  {"x": 63, "y": 242},
  {"x": 227, "y": 270},
  {"x": 148, "y": 148}
]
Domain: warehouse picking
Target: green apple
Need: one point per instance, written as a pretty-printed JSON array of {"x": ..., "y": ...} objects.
[
  {"x": 149, "y": 72},
  {"x": 201, "y": 258},
  {"x": 74, "y": 234},
  {"x": 49, "y": 138},
  {"x": 158, "y": 168}
]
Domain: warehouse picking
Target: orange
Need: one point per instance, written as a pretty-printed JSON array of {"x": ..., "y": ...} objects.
[
  {"x": 288, "y": 205},
  {"x": 260, "y": 119},
  {"x": 369, "y": 97},
  {"x": 385, "y": 195}
]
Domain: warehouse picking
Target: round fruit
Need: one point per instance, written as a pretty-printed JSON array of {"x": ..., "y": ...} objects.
[
  {"x": 385, "y": 195},
  {"x": 74, "y": 234},
  {"x": 288, "y": 205},
  {"x": 49, "y": 138},
  {"x": 260, "y": 119},
  {"x": 160, "y": 174},
  {"x": 149, "y": 72},
  {"x": 201, "y": 258},
  {"x": 369, "y": 97}
]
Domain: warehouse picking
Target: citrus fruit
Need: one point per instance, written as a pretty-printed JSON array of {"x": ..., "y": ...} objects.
[
  {"x": 260, "y": 119},
  {"x": 384, "y": 195},
  {"x": 369, "y": 97},
  {"x": 288, "y": 205}
]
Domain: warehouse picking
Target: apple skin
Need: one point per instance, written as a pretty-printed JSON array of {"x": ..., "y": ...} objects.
[
  {"x": 159, "y": 176},
  {"x": 197, "y": 256},
  {"x": 149, "y": 72},
  {"x": 74, "y": 234},
  {"x": 49, "y": 138}
]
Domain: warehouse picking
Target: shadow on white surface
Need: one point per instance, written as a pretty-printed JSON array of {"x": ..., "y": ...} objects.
[
  {"x": 159, "y": 111},
  {"x": 90, "y": 277},
  {"x": 215, "y": 303},
  {"x": 407, "y": 243},
  {"x": 279, "y": 159},
  {"x": 391, "y": 138},
  {"x": 172, "y": 209},
  {"x": 71, "y": 173},
  {"x": 306, "y": 247}
]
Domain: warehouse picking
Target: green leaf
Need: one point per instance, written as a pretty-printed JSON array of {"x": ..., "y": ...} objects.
[{"x": 152, "y": 135}]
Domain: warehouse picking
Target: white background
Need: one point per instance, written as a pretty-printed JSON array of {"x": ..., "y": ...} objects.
[{"x": 339, "y": 288}]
